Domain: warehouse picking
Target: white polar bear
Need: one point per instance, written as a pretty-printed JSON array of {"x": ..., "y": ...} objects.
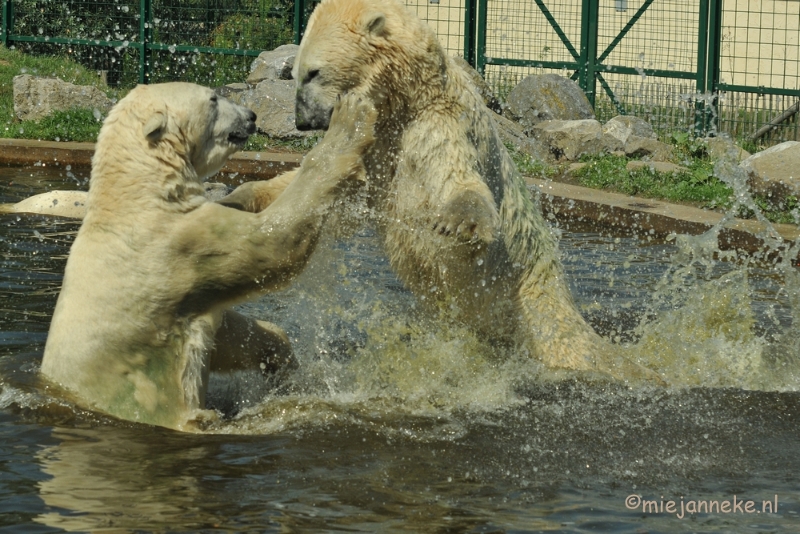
[
  {"x": 456, "y": 218},
  {"x": 141, "y": 318}
]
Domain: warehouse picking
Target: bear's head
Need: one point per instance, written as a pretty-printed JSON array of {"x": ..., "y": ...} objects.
[
  {"x": 184, "y": 125},
  {"x": 375, "y": 48}
]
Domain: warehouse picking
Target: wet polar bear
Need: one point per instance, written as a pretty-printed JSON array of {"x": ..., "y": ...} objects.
[
  {"x": 141, "y": 318},
  {"x": 456, "y": 218}
]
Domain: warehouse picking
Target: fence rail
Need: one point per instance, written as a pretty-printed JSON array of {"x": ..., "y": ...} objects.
[{"x": 709, "y": 65}]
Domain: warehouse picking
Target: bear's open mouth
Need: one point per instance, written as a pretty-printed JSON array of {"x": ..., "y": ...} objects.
[{"x": 238, "y": 138}]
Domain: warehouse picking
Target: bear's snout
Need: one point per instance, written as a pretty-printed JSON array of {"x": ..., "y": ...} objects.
[
  {"x": 243, "y": 127},
  {"x": 310, "y": 114}
]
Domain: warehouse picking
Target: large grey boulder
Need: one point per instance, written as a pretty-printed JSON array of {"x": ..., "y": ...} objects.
[
  {"x": 273, "y": 102},
  {"x": 649, "y": 149},
  {"x": 775, "y": 172},
  {"x": 572, "y": 139},
  {"x": 544, "y": 97},
  {"x": 723, "y": 147},
  {"x": 37, "y": 97},
  {"x": 624, "y": 126},
  {"x": 483, "y": 88},
  {"x": 273, "y": 64}
]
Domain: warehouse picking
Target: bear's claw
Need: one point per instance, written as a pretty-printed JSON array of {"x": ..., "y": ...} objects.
[{"x": 468, "y": 216}]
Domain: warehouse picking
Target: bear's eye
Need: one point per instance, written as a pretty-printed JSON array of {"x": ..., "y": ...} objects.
[
  {"x": 214, "y": 99},
  {"x": 311, "y": 75}
]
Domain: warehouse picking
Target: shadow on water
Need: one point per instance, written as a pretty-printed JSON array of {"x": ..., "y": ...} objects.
[{"x": 394, "y": 423}]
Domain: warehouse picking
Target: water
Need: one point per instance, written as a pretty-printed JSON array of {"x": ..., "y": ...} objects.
[{"x": 395, "y": 423}]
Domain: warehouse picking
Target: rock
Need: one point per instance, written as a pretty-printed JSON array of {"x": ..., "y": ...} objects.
[
  {"x": 655, "y": 166},
  {"x": 571, "y": 172},
  {"x": 511, "y": 134},
  {"x": 273, "y": 64},
  {"x": 572, "y": 139},
  {"x": 544, "y": 97},
  {"x": 231, "y": 89},
  {"x": 652, "y": 149},
  {"x": 273, "y": 102},
  {"x": 36, "y": 97},
  {"x": 484, "y": 89},
  {"x": 722, "y": 147},
  {"x": 775, "y": 172},
  {"x": 624, "y": 126}
]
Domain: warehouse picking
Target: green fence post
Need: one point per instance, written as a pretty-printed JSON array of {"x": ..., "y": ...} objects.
[
  {"x": 8, "y": 22},
  {"x": 470, "y": 24},
  {"x": 713, "y": 64},
  {"x": 145, "y": 39},
  {"x": 588, "y": 56},
  {"x": 299, "y": 23},
  {"x": 702, "y": 68},
  {"x": 480, "y": 37}
]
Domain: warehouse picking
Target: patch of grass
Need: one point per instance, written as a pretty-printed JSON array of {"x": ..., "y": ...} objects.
[
  {"x": 73, "y": 125},
  {"x": 786, "y": 213},
  {"x": 528, "y": 166},
  {"x": 688, "y": 145},
  {"x": 697, "y": 186}
]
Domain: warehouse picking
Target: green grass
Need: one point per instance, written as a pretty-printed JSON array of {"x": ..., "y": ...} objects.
[
  {"x": 532, "y": 167},
  {"x": 787, "y": 212},
  {"x": 72, "y": 125},
  {"x": 697, "y": 186}
]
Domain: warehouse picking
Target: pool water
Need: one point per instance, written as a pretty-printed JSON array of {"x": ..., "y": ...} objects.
[{"x": 394, "y": 422}]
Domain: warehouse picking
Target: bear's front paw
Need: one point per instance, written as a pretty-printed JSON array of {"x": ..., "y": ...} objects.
[
  {"x": 244, "y": 198},
  {"x": 352, "y": 123},
  {"x": 468, "y": 216}
]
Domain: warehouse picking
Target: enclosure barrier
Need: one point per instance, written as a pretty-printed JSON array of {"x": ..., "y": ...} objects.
[
  {"x": 141, "y": 41},
  {"x": 707, "y": 66}
]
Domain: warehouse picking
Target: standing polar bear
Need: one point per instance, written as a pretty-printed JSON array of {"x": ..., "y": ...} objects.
[
  {"x": 456, "y": 218},
  {"x": 141, "y": 318}
]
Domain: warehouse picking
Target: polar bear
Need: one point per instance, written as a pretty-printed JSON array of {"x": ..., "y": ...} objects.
[
  {"x": 456, "y": 218},
  {"x": 141, "y": 318}
]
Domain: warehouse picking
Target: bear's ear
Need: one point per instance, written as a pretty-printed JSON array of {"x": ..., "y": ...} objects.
[
  {"x": 154, "y": 128},
  {"x": 376, "y": 25}
]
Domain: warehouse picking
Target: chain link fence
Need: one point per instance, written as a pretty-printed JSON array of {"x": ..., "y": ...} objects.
[
  {"x": 211, "y": 42},
  {"x": 709, "y": 65}
]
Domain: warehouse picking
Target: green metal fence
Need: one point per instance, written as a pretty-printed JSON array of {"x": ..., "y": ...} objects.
[
  {"x": 130, "y": 41},
  {"x": 704, "y": 65}
]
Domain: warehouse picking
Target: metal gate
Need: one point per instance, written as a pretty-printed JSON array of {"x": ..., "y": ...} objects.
[{"x": 646, "y": 57}]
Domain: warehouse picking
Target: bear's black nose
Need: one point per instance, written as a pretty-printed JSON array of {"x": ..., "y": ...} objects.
[{"x": 252, "y": 115}]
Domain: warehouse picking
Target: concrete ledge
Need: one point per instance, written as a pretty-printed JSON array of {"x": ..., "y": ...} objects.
[
  {"x": 571, "y": 202},
  {"x": 23, "y": 152}
]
